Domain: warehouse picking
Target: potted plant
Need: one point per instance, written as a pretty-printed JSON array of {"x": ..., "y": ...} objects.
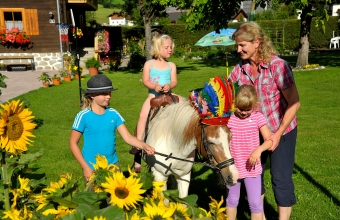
[
  {"x": 74, "y": 71},
  {"x": 66, "y": 75},
  {"x": 56, "y": 80},
  {"x": 45, "y": 78},
  {"x": 67, "y": 56},
  {"x": 92, "y": 64}
]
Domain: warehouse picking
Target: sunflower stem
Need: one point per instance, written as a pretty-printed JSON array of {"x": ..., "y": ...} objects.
[
  {"x": 5, "y": 180},
  {"x": 89, "y": 183}
]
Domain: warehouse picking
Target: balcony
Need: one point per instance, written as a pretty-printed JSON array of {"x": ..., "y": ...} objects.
[{"x": 88, "y": 5}]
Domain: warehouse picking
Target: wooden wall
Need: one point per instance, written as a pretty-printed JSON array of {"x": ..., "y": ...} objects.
[{"x": 48, "y": 40}]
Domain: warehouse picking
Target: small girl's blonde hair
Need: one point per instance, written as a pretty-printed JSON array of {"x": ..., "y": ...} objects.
[
  {"x": 246, "y": 97},
  {"x": 157, "y": 42}
]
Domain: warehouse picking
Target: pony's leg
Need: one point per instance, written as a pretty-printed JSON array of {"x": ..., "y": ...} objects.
[{"x": 183, "y": 185}]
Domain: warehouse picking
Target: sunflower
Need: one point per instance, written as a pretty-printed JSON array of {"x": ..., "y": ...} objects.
[
  {"x": 15, "y": 127},
  {"x": 158, "y": 212},
  {"x": 42, "y": 200},
  {"x": 20, "y": 192},
  {"x": 215, "y": 208},
  {"x": 98, "y": 218},
  {"x": 102, "y": 163},
  {"x": 125, "y": 192},
  {"x": 60, "y": 212},
  {"x": 203, "y": 211},
  {"x": 181, "y": 212},
  {"x": 18, "y": 214},
  {"x": 157, "y": 192},
  {"x": 135, "y": 216}
]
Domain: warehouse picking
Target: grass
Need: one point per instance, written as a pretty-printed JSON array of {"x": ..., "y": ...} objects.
[
  {"x": 103, "y": 13},
  {"x": 317, "y": 169}
]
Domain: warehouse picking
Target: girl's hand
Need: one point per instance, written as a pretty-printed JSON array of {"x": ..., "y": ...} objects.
[
  {"x": 166, "y": 88},
  {"x": 254, "y": 157},
  {"x": 158, "y": 88},
  {"x": 149, "y": 150},
  {"x": 87, "y": 173}
]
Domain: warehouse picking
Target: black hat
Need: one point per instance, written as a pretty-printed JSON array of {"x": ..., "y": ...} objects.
[{"x": 99, "y": 83}]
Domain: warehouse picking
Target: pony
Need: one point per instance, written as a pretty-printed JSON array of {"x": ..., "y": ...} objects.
[{"x": 175, "y": 132}]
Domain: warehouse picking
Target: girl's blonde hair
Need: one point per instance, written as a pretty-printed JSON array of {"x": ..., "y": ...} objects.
[
  {"x": 157, "y": 42},
  {"x": 246, "y": 97},
  {"x": 87, "y": 101},
  {"x": 250, "y": 32}
]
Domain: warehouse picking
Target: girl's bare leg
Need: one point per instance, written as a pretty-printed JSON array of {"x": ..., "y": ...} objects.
[{"x": 141, "y": 128}]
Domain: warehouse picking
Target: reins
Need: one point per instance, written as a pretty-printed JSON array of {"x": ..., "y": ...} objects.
[{"x": 210, "y": 155}]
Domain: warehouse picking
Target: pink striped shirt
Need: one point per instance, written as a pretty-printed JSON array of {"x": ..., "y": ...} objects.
[
  {"x": 271, "y": 79},
  {"x": 245, "y": 139}
]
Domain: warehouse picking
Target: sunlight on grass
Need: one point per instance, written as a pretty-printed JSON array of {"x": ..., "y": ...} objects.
[{"x": 317, "y": 154}]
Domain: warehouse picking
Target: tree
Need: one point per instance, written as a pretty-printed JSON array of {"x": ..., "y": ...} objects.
[
  {"x": 310, "y": 8},
  {"x": 149, "y": 11},
  {"x": 205, "y": 14}
]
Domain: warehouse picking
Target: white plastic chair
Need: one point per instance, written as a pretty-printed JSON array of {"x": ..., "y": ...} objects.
[{"x": 334, "y": 42}]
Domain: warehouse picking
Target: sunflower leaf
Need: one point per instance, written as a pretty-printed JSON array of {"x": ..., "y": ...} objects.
[
  {"x": 74, "y": 216},
  {"x": 111, "y": 212},
  {"x": 63, "y": 202},
  {"x": 89, "y": 198},
  {"x": 146, "y": 179},
  {"x": 30, "y": 157}
]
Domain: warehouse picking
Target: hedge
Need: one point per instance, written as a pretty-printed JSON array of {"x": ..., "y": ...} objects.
[{"x": 283, "y": 33}]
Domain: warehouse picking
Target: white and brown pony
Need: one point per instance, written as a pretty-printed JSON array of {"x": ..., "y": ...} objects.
[{"x": 176, "y": 132}]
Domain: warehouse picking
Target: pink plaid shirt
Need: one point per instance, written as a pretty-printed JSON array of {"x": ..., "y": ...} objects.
[{"x": 271, "y": 79}]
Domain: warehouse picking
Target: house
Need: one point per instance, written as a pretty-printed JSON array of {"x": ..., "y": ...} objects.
[
  {"x": 174, "y": 14},
  {"x": 116, "y": 19},
  {"x": 41, "y": 21},
  {"x": 245, "y": 8},
  {"x": 241, "y": 16}
]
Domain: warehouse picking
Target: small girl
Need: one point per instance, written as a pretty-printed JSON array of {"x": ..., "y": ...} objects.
[
  {"x": 245, "y": 125},
  {"x": 159, "y": 75},
  {"x": 98, "y": 123}
]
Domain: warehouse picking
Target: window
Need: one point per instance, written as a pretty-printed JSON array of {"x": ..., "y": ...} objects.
[{"x": 24, "y": 19}]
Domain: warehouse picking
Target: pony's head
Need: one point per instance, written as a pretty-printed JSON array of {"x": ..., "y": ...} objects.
[
  {"x": 214, "y": 104},
  {"x": 213, "y": 145}
]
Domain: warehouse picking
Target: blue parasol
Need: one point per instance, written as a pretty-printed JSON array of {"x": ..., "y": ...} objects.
[{"x": 215, "y": 39}]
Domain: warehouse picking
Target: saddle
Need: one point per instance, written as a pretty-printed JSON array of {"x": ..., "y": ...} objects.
[{"x": 163, "y": 100}]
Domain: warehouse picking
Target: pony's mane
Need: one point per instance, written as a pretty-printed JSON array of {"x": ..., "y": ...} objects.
[{"x": 175, "y": 123}]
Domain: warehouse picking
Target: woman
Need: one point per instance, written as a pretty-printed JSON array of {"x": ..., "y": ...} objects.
[{"x": 279, "y": 102}]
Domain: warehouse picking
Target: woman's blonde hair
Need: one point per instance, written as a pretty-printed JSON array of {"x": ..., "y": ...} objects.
[
  {"x": 246, "y": 97},
  {"x": 157, "y": 42},
  {"x": 250, "y": 32}
]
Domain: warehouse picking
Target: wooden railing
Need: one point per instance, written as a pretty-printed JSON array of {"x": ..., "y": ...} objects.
[{"x": 92, "y": 3}]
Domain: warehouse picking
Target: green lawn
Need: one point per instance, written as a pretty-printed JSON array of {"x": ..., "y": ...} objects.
[
  {"x": 317, "y": 169},
  {"x": 103, "y": 13}
]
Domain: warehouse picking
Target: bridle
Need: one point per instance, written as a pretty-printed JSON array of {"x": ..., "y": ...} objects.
[{"x": 210, "y": 155}]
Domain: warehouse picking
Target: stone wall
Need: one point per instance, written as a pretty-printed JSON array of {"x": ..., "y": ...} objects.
[{"x": 42, "y": 61}]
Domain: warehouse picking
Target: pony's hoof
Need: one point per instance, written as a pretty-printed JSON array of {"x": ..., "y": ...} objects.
[{"x": 137, "y": 167}]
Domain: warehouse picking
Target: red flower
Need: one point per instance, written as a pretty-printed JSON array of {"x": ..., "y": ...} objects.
[{"x": 14, "y": 36}]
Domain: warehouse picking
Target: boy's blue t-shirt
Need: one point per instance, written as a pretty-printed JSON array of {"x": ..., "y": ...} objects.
[{"x": 99, "y": 134}]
